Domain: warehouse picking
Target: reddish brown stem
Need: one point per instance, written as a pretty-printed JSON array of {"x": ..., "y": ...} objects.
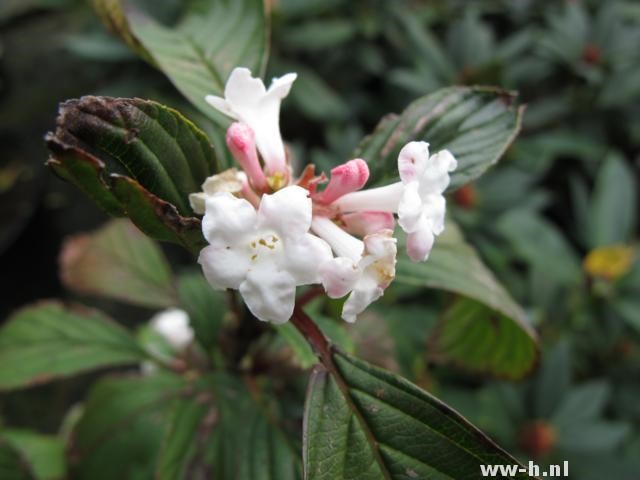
[{"x": 308, "y": 296}]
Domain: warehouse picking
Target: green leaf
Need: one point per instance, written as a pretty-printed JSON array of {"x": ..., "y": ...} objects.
[
  {"x": 629, "y": 309},
  {"x": 477, "y": 124},
  {"x": 211, "y": 39},
  {"x": 365, "y": 423},
  {"x": 205, "y": 306},
  {"x": 455, "y": 266},
  {"x": 136, "y": 158},
  {"x": 301, "y": 349},
  {"x": 118, "y": 261},
  {"x": 43, "y": 455},
  {"x": 11, "y": 465},
  {"x": 613, "y": 205},
  {"x": 154, "y": 144},
  {"x": 582, "y": 404},
  {"x": 553, "y": 380},
  {"x": 483, "y": 340},
  {"x": 114, "y": 17},
  {"x": 247, "y": 443},
  {"x": 120, "y": 431},
  {"x": 47, "y": 341},
  {"x": 549, "y": 253},
  {"x": 181, "y": 441},
  {"x": 593, "y": 436}
]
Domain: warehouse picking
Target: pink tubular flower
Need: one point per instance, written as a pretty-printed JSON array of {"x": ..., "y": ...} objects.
[
  {"x": 241, "y": 143},
  {"x": 365, "y": 223},
  {"x": 345, "y": 178}
]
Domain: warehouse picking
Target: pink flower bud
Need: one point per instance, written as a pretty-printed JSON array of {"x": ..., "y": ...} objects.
[
  {"x": 242, "y": 144},
  {"x": 365, "y": 223},
  {"x": 345, "y": 178}
]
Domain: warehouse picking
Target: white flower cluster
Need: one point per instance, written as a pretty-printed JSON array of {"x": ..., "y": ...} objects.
[{"x": 269, "y": 233}]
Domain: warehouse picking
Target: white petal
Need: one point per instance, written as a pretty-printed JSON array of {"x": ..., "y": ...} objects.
[
  {"x": 339, "y": 276},
  {"x": 434, "y": 208},
  {"x": 281, "y": 86},
  {"x": 242, "y": 89},
  {"x": 220, "y": 104},
  {"x": 435, "y": 178},
  {"x": 197, "y": 202},
  {"x": 287, "y": 212},
  {"x": 410, "y": 208},
  {"x": 269, "y": 294},
  {"x": 342, "y": 243},
  {"x": 304, "y": 255},
  {"x": 411, "y": 160},
  {"x": 225, "y": 266},
  {"x": 227, "y": 218},
  {"x": 381, "y": 199},
  {"x": 420, "y": 243},
  {"x": 358, "y": 301}
]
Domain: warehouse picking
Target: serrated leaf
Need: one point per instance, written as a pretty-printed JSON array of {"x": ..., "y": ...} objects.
[
  {"x": 365, "y": 423},
  {"x": 455, "y": 266},
  {"x": 41, "y": 455},
  {"x": 135, "y": 158},
  {"x": 476, "y": 124},
  {"x": 47, "y": 341},
  {"x": 118, "y": 261},
  {"x": 199, "y": 52},
  {"x": 151, "y": 143},
  {"x": 120, "y": 431}
]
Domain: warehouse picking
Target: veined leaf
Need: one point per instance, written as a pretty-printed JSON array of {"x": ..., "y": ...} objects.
[
  {"x": 118, "y": 262},
  {"x": 134, "y": 158},
  {"x": 199, "y": 52},
  {"x": 120, "y": 431},
  {"x": 455, "y": 266},
  {"x": 365, "y": 423},
  {"x": 184, "y": 437},
  {"x": 221, "y": 431},
  {"x": 476, "y": 124},
  {"x": 47, "y": 341}
]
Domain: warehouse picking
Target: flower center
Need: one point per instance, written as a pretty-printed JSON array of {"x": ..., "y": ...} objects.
[{"x": 265, "y": 244}]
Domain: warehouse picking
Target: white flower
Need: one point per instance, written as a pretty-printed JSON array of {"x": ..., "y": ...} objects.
[
  {"x": 173, "y": 325},
  {"x": 363, "y": 268},
  {"x": 422, "y": 206},
  {"x": 230, "y": 180},
  {"x": 417, "y": 198},
  {"x": 246, "y": 99},
  {"x": 263, "y": 254}
]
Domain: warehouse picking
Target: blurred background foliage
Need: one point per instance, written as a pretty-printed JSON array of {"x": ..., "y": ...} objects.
[{"x": 557, "y": 220}]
